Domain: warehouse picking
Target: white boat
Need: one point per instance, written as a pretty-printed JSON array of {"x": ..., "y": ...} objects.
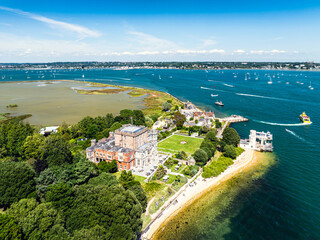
[
  {"x": 219, "y": 103},
  {"x": 82, "y": 75},
  {"x": 270, "y": 81},
  {"x": 214, "y": 95},
  {"x": 246, "y": 78},
  {"x": 311, "y": 88}
]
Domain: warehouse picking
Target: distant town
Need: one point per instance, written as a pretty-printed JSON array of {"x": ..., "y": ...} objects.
[{"x": 166, "y": 65}]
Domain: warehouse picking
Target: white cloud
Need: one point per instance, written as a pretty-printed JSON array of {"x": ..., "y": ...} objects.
[
  {"x": 148, "y": 41},
  {"x": 239, "y": 51},
  {"x": 82, "y": 31},
  {"x": 216, "y": 51},
  {"x": 260, "y": 52},
  {"x": 277, "y": 51}
]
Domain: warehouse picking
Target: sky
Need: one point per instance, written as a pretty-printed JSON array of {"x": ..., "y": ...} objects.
[{"x": 83, "y": 30}]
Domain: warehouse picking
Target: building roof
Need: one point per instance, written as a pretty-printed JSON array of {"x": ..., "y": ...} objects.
[{"x": 131, "y": 129}]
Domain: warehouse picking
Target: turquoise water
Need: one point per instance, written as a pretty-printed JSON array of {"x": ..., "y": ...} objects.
[{"x": 287, "y": 203}]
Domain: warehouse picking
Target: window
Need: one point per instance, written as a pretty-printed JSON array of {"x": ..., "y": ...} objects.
[
  {"x": 120, "y": 166},
  {"x": 104, "y": 155},
  {"x": 125, "y": 167},
  {"x": 125, "y": 145},
  {"x": 109, "y": 157}
]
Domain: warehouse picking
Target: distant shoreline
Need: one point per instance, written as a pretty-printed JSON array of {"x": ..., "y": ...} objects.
[{"x": 161, "y": 68}]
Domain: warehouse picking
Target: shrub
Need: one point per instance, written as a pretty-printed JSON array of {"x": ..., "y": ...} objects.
[{"x": 230, "y": 151}]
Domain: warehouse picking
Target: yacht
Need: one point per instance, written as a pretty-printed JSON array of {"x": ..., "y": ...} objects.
[
  {"x": 311, "y": 88},
  {"x": 304, "y": 118},
  {"x": 219, "y": 103}
]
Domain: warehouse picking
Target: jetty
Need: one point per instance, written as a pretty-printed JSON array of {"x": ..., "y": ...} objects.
[
  {"x": 234, "y": 119},
  {"x": 228, "y": 121}
]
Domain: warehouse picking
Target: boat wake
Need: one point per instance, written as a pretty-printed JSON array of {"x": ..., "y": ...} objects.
[
  {"x": 284, "y": 124},
  {"x": 213, "y": 89},
  {"x": 259, "y": 96},
  {"x": 297, "y": 136},
  {"x": 228, "y": 85}
]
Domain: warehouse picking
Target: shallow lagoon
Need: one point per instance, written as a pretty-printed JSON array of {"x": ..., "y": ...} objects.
[{"x": 56, "y": 102}]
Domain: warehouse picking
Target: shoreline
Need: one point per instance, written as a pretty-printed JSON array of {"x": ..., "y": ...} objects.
[
  {"x": 161, "y": 68},
  {"x": 191, "y": 194}
]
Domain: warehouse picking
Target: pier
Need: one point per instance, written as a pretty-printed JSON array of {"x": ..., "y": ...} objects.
[
  {"x": 234, "y": 119},
  {"x": 228, "y": 120}
]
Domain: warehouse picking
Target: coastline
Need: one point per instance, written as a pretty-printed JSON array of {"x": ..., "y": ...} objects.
[{"x": 190, "y": 194}]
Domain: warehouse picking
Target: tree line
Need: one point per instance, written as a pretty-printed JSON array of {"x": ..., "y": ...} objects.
[{"x": 49, "y": 190}]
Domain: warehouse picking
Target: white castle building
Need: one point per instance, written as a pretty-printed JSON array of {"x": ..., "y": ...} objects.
[{"x": 259, "y": 141}]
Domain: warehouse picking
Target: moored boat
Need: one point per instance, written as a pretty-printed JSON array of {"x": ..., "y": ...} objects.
[{"x": 219, "y": 103}]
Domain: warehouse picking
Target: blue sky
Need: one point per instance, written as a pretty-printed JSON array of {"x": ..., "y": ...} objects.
[{"x": 46, "y": 31}]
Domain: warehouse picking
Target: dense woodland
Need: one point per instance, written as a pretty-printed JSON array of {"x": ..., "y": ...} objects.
[{"x": 49, "y": 190}]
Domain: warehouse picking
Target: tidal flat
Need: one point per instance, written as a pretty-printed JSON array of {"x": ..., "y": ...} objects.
[
  {"x": 211, "y": 214},
  {"x": 55, "y": 102}
]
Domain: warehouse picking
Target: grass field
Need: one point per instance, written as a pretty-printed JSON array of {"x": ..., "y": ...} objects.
[
  {"x": 136, "y": 177},
  {"x": 173, "y": 144}
]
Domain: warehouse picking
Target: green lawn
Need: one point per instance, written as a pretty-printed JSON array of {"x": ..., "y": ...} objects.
[
  {"x": 173, "y": 143},
  {"x": 136, "y": 177}
]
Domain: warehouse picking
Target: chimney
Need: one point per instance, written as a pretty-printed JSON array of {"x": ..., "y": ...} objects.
[{"x": 93, "y": 142}]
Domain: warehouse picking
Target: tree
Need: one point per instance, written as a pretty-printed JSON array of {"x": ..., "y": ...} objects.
[
  {"x": 108, "y": 167},
  {"x": 201, "y": 157},
  {"x": 60, "y": 195},
  {"x": 230, "y": 151},
  {"x": 166, "y": 106},
  {"x": 210, "y": 146},
  {"x": 113, "y": 208},
  {"x": 231, "y": 137},
  {"x": 127, "y": 179},
  {"x": 104, "y": 179},
  {"x": 39, "y": 221},
  {"x": 138, "y": 117},
  {"x": 9, "y": 228},
  {"x": 55, "y": 151},
  {"x": 140, "y": 195},
  {"x": 115, "y": 126},
  {"x": 17, "y": 181},
  {"x": 126, "y": 115},
  {"x": 218, "y": 123},
  {"x": 75, "y": 174},
  {"x": 32, "y": 146},
  {"x": 148, "y": 121},
  {"x": 208, "y": 152},
  {"x": 160, "y": 173},
  {"x": 12, "y": 137},
  {"x": 211, "y": 136},
  {"x": 97, "y": 233},
  {"x": 180, "y": 119},
  {"x": 154, "y": 117}
]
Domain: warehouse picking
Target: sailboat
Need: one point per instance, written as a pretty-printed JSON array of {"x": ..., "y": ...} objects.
[
  {"x": 246, "y": 78},
  {"x": 311, "y": 88},
  {"x": 82, "y": 75},
  {"x": 270, "y": 81}
]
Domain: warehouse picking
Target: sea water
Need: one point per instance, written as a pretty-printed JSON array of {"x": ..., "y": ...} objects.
[{"x": 286, "y": 202}]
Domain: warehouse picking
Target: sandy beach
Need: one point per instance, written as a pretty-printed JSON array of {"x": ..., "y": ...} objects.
[{"x": 187, "y": 194}]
